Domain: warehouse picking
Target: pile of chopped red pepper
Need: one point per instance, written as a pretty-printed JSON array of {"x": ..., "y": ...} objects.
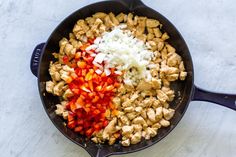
[{"x": 93, "y": 94}]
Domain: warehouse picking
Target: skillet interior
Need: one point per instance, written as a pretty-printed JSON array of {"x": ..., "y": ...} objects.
[{"x": 180, "y": 103}]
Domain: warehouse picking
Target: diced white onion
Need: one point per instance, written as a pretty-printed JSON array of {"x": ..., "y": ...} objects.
[
  {"x": 99, "y": 58},
  {"x": 98, "y": 71},
  {"x": 107, "y": 72},
  {"x": 120, "y": 49}
]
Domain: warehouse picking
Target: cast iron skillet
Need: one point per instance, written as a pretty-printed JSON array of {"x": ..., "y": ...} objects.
[{"x": 42, "y": 55}]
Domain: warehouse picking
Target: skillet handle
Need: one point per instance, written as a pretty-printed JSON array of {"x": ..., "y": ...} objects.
[
  {"x": 226, "y": 100},
  {"x": 131, "y": 3},
  {"x": 35, "y": 58}
]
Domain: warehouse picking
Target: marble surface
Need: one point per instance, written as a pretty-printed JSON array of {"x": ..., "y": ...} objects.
[{"x": 207, "y": 130}]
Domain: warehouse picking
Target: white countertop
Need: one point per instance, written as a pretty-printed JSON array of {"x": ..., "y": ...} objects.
[{"x": 207, "y": 130}]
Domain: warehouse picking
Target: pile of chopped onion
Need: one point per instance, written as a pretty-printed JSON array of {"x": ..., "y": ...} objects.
[{"x": 121, "y": 50}]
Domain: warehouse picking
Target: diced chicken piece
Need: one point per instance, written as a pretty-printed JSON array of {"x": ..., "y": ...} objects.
[
  {"x": 129, "y": 87},
  {"x": 154, "y": 73},
  {"x": 49, "y": 86},
  {"x": 59, "y": 110},
  {"x": 102, "y": 28},
  {"x": 135, "y": 21},
  {"x": 157, "y": 32},
  {"x": 152, "y": 23},
  {"x": 156, "y": 126},
  {"x": 131, "y": 115},
  {"x": 109, "y": 129},
  {"x": 65, "y": 114},
  {"x": 159, "y": 113},
  {"x": 118, "y": 128},
  {"x": 156, "y": 104},
  {"x": 164, "y": 123},
  {"x": 143, "y": 85},
  {"x": 119, "y": 123},
  {"x": 122, "y": 89},
  {"x": 150, "y": 30},
  {"x": 116, "y": 101},
  {"x": 96, "y": 24},
  {"x": 83, "y": 38},
  {"x": 149, "y": 122},
  {"x": 90, "y": 20},
  {"x": 170, "y": 93},
  {"x": 161, "y": 96},
  {"x": 181, "y": 66},
  {"x": 165, "y": 36},
  {"x": 136, "y": 138},
  {"x": 108, "y": 23},
  {"x": 142, "y": 37},
  {"x": 168, "y": 113},
  {"x": 69, "y": 50},
  {"x": 182, "y": 75},
  {"x": 153, "y": 45},
  {"x": 124, "y": 119},
  {"x": 100, "y": 15},
  {"x": 134, "y": 96},
  {"x": 172, "y": 77},
  {"x": 112, "y": 140},
  {"x": 173, "y": 60},
  {"x": 95, "y": 139},
  {"x": 169, "y": 70},
  {"x": 90, "y": 34},
  {"x": 151, "y": 114},
  {"x": 57, "y": 90},
  {"x": 65, "y": 76},
  {"x": 126, "y": 130},
  {"x": 68, "y": 69},
  {"x": 138, "y": 109},
  {"x": 63, "y": 42},
  {"x": 80, "y": 28},
  {"x": 53, "y": 71},
  {"x": 156, "y": 83},
  {"x": 114, "y": 20},
  {"x": 138, "y": 120},
  {"x": 165, "y": 105},
  {"x": 141, "y": 25},
  {"x": 150, "y": 36},
  {"x": 68, "y": 93},
  {"x": 64, "y": 103},
  {"x": 147, "y": 93},
  {"x": 127, "y": 103},
  {"x": 71, "y": 36},
  {"x": 166, "y": 83},
  {"x": 170, "y": 49},
  {"x": 130, "y": 22},
  {"x": 160, "y": 46},
  {"x": 150, "y": 132},
  {"x": 125, "y": 142},
  {"x": 137, "y": 127},
  {"x": 142, "y": 21},
  {"x": 120, "y": 17},
  {"x": 144, "y": 113},
  {"x": 75, "y": 43},
  {"x": 129, "y": 109},
  {"x": 148, "y": 101}
]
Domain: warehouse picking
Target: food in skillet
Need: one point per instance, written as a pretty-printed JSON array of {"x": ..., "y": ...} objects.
[{"x": 113, "y": 75}]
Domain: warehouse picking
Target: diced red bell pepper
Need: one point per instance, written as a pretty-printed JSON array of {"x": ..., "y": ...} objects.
[
  {"x": 78, "y": 128},
  {"x": 65, "y": 59},
  {"x": 71, "y": 124},
  {"x": 89, "y": 132}
]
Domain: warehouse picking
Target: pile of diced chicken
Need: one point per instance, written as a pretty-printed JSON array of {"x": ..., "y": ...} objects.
[{"x": 144, "y": 108}]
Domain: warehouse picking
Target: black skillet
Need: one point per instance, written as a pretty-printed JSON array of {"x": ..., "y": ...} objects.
[{"x": 42, "y": 55}]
